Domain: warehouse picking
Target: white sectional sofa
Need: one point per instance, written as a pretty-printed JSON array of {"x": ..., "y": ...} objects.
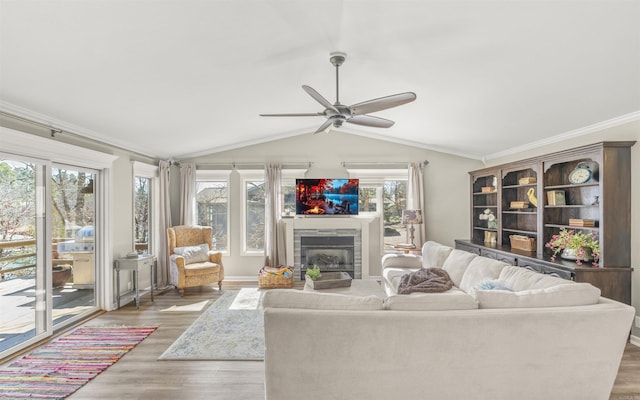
[{"x": 531, "y": 336}]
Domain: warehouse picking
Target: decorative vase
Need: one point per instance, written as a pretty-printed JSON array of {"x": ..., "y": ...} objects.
[{"x": 572, "y": 254}]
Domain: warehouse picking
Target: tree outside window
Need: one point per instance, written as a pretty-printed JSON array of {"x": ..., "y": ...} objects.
[{"x": 17, "y": 218}]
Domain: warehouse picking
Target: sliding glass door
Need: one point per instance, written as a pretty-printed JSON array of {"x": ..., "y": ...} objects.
[
  {"x": 73, "y": 211},
  {"x": 23, "y": 284}
]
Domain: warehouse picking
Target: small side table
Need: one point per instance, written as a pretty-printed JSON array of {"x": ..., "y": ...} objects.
[
  {"x": 405, "y": 247},
  {"x": 135, "y": 265}
]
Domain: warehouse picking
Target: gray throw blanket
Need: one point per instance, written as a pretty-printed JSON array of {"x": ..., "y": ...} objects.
[{"x": 427, "y": 280}]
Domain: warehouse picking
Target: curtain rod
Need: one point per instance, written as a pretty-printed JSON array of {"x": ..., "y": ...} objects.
[
  {"x": 56, "y": 131},
  {"x": 380, "y": 164},
  {"x": 248, "y": 165}
]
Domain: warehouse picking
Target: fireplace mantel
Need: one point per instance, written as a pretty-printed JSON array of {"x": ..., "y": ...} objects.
[{"x": 358, "y": 223}]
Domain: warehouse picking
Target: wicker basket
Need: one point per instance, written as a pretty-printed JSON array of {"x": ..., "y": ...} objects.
[{"x": 273, "y": 281}]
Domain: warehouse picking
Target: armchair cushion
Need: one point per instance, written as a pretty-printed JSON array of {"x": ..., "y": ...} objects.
[{"x": 193, "y": 254}]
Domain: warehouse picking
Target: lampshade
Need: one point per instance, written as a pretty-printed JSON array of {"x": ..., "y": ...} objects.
[{"x": 411, "y": 217}]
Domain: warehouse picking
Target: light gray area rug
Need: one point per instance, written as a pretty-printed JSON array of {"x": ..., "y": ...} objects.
[{"x": 232, "y": 328}]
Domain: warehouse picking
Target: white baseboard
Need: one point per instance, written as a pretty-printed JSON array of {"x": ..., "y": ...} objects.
[
  {"x": 239, "y": 278},
  {"x": 635, "y": 340}
]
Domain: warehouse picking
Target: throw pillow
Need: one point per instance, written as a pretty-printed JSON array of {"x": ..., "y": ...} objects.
[
  {"x": 492, "y": 284},
  {"x": 193, "y": 254}
]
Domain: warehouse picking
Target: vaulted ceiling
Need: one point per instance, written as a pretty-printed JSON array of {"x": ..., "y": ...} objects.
[{"x": 179, "y": 78}]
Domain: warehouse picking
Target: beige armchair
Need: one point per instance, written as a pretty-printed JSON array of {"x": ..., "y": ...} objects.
[{"x": 193, "y": 261}]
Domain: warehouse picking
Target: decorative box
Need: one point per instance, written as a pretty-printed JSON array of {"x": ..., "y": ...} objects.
[
  {"x": 329, "y": 280},
  {"x": 522, "y": 242},
  {"x": 488, "y": 189}
]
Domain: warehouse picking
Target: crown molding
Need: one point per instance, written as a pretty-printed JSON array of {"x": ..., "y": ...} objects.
[
  {"x": 600, "y": 126},
  {"x": 49, "y": 122}
]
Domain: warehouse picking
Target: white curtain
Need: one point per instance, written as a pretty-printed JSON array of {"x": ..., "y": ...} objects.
[
  {"x": 415, "y": 200},
  {"x": 165, "y": 223},
  {"x": 188, "y": 194},
  {"x": 273, "y": 227}
]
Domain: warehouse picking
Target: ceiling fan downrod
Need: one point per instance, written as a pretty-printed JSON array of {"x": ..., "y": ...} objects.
[{"x": 337, "y": 58}]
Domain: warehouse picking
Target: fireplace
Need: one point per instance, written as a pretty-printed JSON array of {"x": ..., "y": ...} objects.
[
  {"x": 329, "y": 253},
  {"x": 332, "y": 250}
]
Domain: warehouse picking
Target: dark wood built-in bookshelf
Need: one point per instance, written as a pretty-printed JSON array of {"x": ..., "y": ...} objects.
[{"x": 605, "y": 199}]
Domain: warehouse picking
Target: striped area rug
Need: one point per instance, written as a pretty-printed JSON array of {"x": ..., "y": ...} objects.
[{"x": 57, "y": 369}]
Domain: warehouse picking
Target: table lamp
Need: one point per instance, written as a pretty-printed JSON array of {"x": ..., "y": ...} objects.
[{"x": 411, "y": 217}]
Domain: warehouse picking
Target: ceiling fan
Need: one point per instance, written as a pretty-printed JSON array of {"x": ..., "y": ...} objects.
[{"x": 337, "y": 113}]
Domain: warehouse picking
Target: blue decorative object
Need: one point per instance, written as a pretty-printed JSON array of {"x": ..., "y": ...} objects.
[{"x": 492, "y": 284}]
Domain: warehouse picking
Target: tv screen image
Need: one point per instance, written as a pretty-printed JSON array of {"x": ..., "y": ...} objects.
[{"x": 327, "y": 196}]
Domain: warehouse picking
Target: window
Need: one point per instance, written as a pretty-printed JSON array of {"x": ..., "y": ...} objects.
[
  {"x": 254, "y": 215},
  {"x": 141, "y": 208},
  {"x": 394, "y": 200},
  {"x": 212, "y": 205},
  {"x": 288, "y": 186},
  {"x": 383, "y": 192},
  {"x": 146, "y": 207}
]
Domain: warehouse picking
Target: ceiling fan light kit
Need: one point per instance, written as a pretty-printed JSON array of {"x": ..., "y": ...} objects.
[{"x": 336, "y": 114}]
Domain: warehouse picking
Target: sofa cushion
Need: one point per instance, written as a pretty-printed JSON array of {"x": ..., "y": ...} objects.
[
  {"x": 456, "y": 264},
  {"x": 193, "y": 254},
  {"x": 479, "y": 269},
  {"x": 392, "y": 276},
  {"x": 567, "y": 294},
  {"x": 434, "y": 254},
  {"x": 518, "y": 278},
  {"x": 291, "y": 298},
  {"x": 453, "y": 299}
]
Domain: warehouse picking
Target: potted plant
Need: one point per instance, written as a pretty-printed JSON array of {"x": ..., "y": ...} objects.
[
  {"x": 575, "y": 245},
  {"x": 314, "y": 272},
  {"x": 489, "y": 216}
]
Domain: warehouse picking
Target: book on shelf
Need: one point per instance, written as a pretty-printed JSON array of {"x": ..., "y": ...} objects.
[
  {"x": 519, "y": 204},
  {"x": 527, "y": 180},
  {"x": 556, "y": 198},
  {"x": 584, "y": 223}
]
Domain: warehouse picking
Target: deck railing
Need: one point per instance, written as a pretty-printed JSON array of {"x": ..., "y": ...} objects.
[{"x": 13, "y": 259}]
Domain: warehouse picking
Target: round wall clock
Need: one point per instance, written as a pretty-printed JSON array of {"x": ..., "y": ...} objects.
[{"x": 581, "y": 174}]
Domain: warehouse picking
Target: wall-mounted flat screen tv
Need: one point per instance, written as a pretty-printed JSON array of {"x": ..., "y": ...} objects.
[{"x": 327, "y": 196}]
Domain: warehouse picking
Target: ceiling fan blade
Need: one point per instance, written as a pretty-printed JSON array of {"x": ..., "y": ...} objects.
[
  {"x": 369, "y": 120},
  {"x": 293, "y": 115},
  {"x": 324, "y": 126},
  {"x": 382, "y": 103},
  {"x": 318, "y": 97}
]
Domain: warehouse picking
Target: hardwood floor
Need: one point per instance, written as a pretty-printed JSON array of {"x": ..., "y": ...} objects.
[{"x": 139, "y": 375}]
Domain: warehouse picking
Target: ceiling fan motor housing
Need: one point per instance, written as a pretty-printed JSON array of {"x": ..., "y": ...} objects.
[{"x": 337, "y": 58}]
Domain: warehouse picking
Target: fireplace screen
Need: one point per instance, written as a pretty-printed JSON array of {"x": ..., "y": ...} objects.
[{"x": 329, "y": 253}]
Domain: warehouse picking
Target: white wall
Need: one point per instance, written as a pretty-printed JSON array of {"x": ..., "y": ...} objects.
[
  {"x": 446, "y": 182},
  {"x": 626, "y": 132}
]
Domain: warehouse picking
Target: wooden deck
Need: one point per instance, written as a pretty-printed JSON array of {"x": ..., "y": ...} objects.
[
  {"x": 17, "y": 308},
  {"x": 139, "y": 374}
]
